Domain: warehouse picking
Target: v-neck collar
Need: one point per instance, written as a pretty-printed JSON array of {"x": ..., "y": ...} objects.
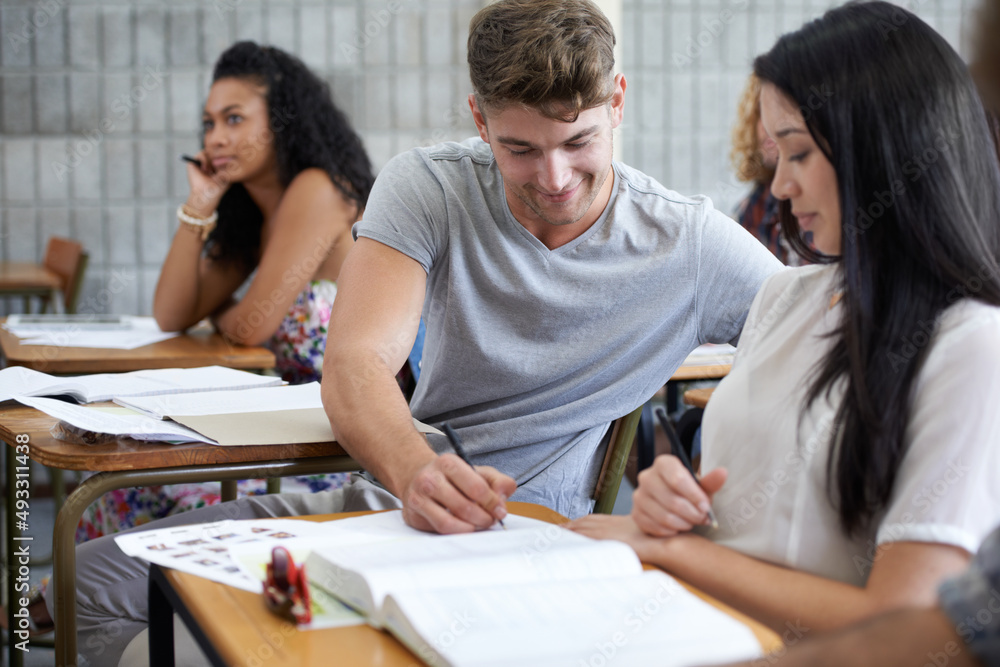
[{"x": 513, "y": 223}]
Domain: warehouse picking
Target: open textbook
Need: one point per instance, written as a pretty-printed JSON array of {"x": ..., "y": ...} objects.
[
  {"x": 285, "y": 415},
  {"x": 20, "y": 381},
  {"x": 536, "y": 596}
]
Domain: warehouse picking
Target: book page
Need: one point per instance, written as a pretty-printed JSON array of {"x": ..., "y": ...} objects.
[
  {"x": 644, "y": 620},
  {"x": 496, "y": 556},
  {"x": 17, "y": 381},
  {"x": 21, "y": 381},
  {"x": 265, "y": 399},
  {"x": 100, "y": 421}
]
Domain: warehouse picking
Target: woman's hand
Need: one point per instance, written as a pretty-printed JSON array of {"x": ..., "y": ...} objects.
[
  {"x": 669, "y": 500},
  {"x": 620, "y": 528},
  {"x": 207, "y": 186}
]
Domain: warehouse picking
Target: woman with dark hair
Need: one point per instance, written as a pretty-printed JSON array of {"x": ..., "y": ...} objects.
[
  {"x": 285, "y": 177},
  {"x": 859, "y": 420},
  {"x": 279, "y": 182}
]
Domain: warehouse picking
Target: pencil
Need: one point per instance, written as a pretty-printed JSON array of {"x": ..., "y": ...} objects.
[
  {"x": 456, "y": 444},
  {"x": 678, "y": 450},
  {"x": 193, "y": 160}
]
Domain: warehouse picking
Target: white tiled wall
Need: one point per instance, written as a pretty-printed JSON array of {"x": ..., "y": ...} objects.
[
  {"x": 98, "y": 98},
  {"x": 687, "y": 61}
]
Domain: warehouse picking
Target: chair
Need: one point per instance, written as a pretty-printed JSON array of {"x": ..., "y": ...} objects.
[
  {"x": 622, "y": 436},
  {"x": 66, "y": 259}
]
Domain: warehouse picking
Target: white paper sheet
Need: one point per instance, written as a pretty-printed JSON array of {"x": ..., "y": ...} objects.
[
  {"x": 99, "y": 421},
  {"x": 142, "y": 331},
  {"x": 270, "y": 399},
  {"x": 20, "y": 381},
  {"x": 710, "y": 354}
]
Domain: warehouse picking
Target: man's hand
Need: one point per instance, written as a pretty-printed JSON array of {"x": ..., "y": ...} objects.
[
  {"x": 447, "y": 496},
  {"x": 669, "y": 501}
]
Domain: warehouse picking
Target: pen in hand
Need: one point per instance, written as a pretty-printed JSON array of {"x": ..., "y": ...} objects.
[
  {"x": 677, "y": 450},
  {"x": 193, "y": 160},
  {"x": 456, "y": 444}
]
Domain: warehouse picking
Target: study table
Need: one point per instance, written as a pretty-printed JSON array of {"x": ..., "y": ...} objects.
[
  {"x": 28, "y": 279},
  {"x": 234, "y": 627},
  {"x": 197, "y": 348},
  {"x": 120, "y": 464}
]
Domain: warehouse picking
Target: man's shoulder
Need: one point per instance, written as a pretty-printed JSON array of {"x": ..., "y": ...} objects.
[
  {"x": 649, "y": 196},
  {"x": 474, "y": 150},
  {"x": 642, "y": 184}
]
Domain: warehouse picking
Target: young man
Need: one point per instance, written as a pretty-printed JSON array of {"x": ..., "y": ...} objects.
[{"x": 560, "y": 291}]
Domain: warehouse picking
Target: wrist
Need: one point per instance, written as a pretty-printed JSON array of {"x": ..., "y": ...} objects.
[
  {"x": 202, "y": 226},
  {"x": 200, "y": 207},
  {"x": 398, "y": 476},
  {"x": 674, "y": 553}
]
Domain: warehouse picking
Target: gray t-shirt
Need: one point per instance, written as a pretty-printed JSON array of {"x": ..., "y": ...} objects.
[{"x": 531, "y": 353}]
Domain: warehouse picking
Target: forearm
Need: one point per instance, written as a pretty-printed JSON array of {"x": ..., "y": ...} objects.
[
  {"x": 897, "y": 639},
  {"x": 176, "y": 300},
  {"x": 779, "y": 597},
  {"x": 370, "y": 417}
]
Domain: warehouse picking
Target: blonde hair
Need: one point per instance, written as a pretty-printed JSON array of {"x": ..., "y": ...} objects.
[
  {"x": 746, "y": 156},
  {"x": 553, "y": 55}
]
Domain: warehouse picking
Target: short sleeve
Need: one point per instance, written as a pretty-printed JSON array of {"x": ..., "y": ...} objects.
[
  {"x": 732, "y": 267},
  {"x": 406, "y": 209},
  {"x": 972, "y": 602},
  {"x": 946, "y": 490}
]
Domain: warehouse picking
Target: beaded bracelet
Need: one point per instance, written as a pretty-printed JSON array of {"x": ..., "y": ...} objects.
[{"x": 202, "y": 226}]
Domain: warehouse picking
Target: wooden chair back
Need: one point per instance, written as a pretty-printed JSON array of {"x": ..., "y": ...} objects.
[
  {"x": 66, "y": 258},
  {"x": 615, "y": 459}
]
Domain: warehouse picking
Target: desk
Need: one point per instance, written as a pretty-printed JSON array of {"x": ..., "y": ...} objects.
[
  {"x": 701, "y": 372},
  {"x": 191, "y": 350},
  {"x": 234, "y": 626},
  {"x": 127, "y": 463},
  {"x": 27, "y": 279}
]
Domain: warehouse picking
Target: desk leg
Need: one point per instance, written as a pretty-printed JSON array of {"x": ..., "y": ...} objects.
[
  {"x": 64, "y": 546},
  {"x": 229, "y": 490},
  {"x": 161, "y": 623}
]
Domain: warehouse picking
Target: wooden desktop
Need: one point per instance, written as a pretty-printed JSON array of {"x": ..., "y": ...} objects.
[{"x": 234, "y": 627}]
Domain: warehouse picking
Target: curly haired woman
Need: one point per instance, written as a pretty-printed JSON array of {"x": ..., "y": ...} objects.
[{"x": 279, "y": 182}]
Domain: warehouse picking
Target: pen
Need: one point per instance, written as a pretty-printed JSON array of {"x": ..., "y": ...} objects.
[
  {"x": 193, "y": 160},
  {"x": 677, "y": 450},
  {"x": 456, "y": 444}
]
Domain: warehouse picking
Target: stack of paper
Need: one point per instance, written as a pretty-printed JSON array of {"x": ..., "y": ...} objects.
[
  {"x": 711, "y": 354},
  {"x": 131, "y": 332},
  {"x": 19, "y": 381},
  {"x": 286, "y": 415}
]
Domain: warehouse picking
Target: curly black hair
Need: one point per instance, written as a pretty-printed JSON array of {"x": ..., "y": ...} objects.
[{"x": 309, "y": 131}]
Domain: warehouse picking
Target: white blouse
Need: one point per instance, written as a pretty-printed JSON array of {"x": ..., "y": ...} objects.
[{"x": 775, "y": 506}]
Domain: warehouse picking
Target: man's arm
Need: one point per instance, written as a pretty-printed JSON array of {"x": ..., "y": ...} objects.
[
  {"x": 374, "y": 321},
  {"x": 905, "y": 638}
]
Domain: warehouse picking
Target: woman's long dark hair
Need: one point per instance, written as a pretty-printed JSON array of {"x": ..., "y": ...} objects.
[
  {"x": 894, "y": 109},
  {"x": 308, "y": 130}
]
